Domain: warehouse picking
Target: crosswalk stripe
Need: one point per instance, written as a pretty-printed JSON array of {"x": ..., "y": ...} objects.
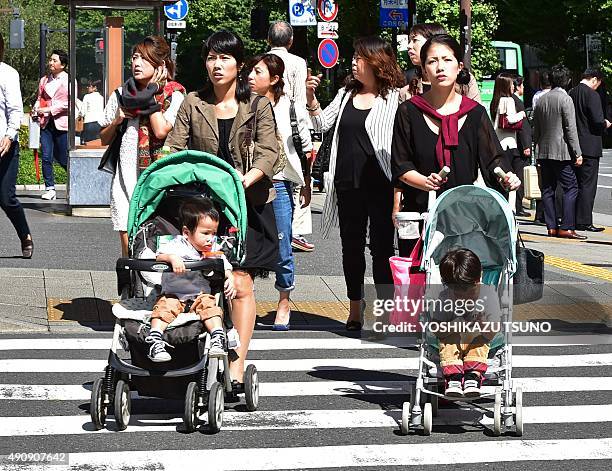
[
  {"x": 310, "y": 364},
  {"x": 300, "y": 419},
  {"x": 268, "y": 344},
  {"x": 347, "y": 456},
  {"x": 74, "y": 392}
]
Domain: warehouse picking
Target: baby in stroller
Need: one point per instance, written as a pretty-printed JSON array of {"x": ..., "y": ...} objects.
[
  {"x": 189, "y": 291},
  {"x": 464, "y": 349}
]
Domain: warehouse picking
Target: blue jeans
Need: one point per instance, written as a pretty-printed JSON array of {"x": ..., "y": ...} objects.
[
  {"x": 54, "y": 146},
  {"x": 283, "y": 212},
  {"x": 9, "y": 165}
]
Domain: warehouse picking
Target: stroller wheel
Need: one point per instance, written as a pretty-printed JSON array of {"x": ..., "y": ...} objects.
[
  {"x": 434, "y": 402},
  {"x": 216, "y": 403},
  {"x": 427, "y": 419},
  {"x": 251, "y": 388},
  {"x": 97, "y": 409},
  {"x": 497, "y": 413},
  {"x": 190, "y": 418},
  {"x": 518, "y": 415},
  {"x": 122, "y": 404},
  {"x": 405, "y": 424}
]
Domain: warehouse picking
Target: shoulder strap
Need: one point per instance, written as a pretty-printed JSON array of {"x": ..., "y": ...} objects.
[
  {"x": 297, "y": 140},
  {"x": 251, "y": 123}
]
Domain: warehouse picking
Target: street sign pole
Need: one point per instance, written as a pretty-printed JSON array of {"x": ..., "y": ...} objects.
[{"x": 465, "y": 15}]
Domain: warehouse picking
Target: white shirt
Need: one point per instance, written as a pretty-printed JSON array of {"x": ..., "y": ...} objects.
[
  {"x": 293, "y": 169},
  {"x": 11, "y": 106},
  {"x": 539, "y": 94},
  {"x": 294, "y": 76},
  {"x": 507, "y": 137},
  {"x": 93, "y": 107}
]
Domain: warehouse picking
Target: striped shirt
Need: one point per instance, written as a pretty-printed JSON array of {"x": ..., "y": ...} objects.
[{"x": 379, "y": 126}]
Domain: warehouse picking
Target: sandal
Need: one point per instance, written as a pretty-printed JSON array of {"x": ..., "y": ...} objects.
[{"x": 27, "y": 248}]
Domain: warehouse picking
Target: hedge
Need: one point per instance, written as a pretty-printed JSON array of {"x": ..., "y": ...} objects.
[{"x": 27, "y": 169}]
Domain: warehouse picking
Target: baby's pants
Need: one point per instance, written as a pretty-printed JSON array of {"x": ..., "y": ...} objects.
[
  {"x": 459, "y": 355},
  {"x": 168, "y": 307}
]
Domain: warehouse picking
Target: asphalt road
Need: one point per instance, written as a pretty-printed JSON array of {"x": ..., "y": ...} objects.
[{"x": 325, "y": 402}]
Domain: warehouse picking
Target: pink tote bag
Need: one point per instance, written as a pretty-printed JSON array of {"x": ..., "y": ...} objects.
[{"x": 409, "y": 283}]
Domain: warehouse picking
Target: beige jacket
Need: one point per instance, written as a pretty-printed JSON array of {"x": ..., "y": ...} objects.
[{"x": 196, "y": 128}]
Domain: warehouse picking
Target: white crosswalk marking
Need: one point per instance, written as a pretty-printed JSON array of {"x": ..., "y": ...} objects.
[{"x": 349, "y": 385}]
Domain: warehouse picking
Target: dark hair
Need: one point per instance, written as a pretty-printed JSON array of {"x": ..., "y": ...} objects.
[
  {"x": 62, "y": 55},
  {"x": 544, "y": 79},
  {"x": 94, "y": 83},
  {"x": 226, "y": 42},
  {"x": 560, "y": 76},
  {"x": 517, "y": 80},
  {"x": 460, "y": 268},
  {"x": 155, "y": 50},
  {"x": 463, "y": 78},
  {"x": 1, "y": 48},
  {"x": 193, "y": 209},
  {"x": 275, "y": 66},
  {"x": 280, "y": 34},
  {"x": 503, "y": 88},
  {"x": 427, "y": 30},
  {"x": 591, "y": 73},
  {"x": 381, "y": 58}
]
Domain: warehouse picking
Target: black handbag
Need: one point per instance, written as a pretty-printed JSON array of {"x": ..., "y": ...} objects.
[
  {"x": 528, "y": 281},
  {"x": 324, "y": 152},
  {"x": 108, "y": 162},
  {"x": 297, "y": 141}
]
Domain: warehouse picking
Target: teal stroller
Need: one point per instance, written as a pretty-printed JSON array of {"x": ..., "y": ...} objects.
[
  {"x": 203, "y": 382},
  {"x": 479, "y": 219}
]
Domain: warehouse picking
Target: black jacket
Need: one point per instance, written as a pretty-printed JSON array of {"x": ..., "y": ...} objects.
[
  {"x": 524, "y": 137},
  {"x": 590, "y": 120}
]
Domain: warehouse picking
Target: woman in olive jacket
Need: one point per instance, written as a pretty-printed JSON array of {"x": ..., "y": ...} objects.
[{"x": 214, "y": 120}]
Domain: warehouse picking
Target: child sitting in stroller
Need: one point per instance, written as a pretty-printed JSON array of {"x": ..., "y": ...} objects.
[
  {"x": 190, "y": 291},
  {"x": 464, "y": 349}
]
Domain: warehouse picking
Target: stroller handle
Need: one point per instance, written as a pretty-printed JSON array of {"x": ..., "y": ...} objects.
[
  {"x": 152, "y": 265},
  {"x": 512, "y": 195},
  {"x": 432, "y": 194}
]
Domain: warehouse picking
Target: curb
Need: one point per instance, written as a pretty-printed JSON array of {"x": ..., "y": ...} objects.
[{"x": 39, "y": 187}]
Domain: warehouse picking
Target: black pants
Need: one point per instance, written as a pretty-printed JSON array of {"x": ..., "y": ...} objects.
[
  {"x": 355, "y": 208},
  {"x": 517, "y": 162},
  {"x": 553, "y": 172},
  {"x": 587, "y": 189},
  {"x": 9, "y": 166}
]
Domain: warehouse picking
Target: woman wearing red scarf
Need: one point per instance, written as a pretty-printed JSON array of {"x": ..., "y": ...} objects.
[
  {"x": 143, "y": 110},
  {"x": 442, "y": 128}
]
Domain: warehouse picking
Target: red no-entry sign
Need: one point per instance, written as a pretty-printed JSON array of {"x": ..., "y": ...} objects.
[{"x": 328, "y": 53}]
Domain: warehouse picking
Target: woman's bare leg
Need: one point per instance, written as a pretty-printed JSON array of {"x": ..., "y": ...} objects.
[
  {"x": 283, "y": 309},
  {"x": 243, "y": 318}
]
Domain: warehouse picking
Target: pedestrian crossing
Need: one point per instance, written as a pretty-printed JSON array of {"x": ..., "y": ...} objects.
[{"x": 327, "y": 401}]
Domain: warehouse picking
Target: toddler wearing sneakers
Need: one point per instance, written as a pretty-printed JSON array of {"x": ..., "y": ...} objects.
[
  {"x": 464, "y": 348},
  {"x": 183, "y": 289}
]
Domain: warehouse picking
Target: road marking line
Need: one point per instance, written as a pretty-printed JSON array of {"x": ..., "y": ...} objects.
[
  {"x": 577, "y": 267},
  {"x": 299, "y": 419},
  {"x": 312, "y": 364},
  {"x": 74, "y": 392}
]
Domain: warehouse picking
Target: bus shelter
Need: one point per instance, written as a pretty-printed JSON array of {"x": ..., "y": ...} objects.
[{"x": 88, "y": 189}]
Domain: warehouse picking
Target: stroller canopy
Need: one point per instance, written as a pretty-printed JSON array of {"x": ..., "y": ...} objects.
[
  {"x": 475, "y": 218},
  {"x": 183, "y": 168}
]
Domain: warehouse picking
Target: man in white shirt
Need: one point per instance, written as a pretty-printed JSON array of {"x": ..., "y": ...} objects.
[
  {"x": 11, "y": 111},
  {"x": 280, "y": 38}
]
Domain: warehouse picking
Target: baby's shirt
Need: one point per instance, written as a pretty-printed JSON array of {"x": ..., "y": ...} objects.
[{"x": 191, "y": 283}]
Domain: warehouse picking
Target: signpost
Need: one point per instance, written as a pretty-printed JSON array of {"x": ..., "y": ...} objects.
[
  {"x": 394, "y": 13},
  {"x": 327, "y": 30},
  {"x": 302, "y": 13},
  {"x": 328, "y": 53},
  {"x": 327, "y": 9},
  {"x": 177, "y": 11}
]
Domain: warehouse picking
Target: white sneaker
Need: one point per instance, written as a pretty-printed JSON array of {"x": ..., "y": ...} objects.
[
  {"x": 217, "y": 346},
  {"x": 157, "y": 351},
  {"x": 50, "y": 194}
]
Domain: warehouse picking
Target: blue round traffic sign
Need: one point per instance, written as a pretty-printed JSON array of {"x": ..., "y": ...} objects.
[
  {"x": 177, "y": 11},
  {"x": 328, "y": 53}
]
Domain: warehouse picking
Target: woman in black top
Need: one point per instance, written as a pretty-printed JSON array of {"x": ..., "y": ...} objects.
[
  {"x": 442, "y": 128},
  {"x": 359, "y": 189}
]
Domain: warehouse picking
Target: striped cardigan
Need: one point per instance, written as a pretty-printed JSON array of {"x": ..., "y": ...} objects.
[{"x": 379, "y": 126}]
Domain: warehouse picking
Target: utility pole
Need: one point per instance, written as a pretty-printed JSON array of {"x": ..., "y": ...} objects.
[{"x": 465, "y": 16}]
